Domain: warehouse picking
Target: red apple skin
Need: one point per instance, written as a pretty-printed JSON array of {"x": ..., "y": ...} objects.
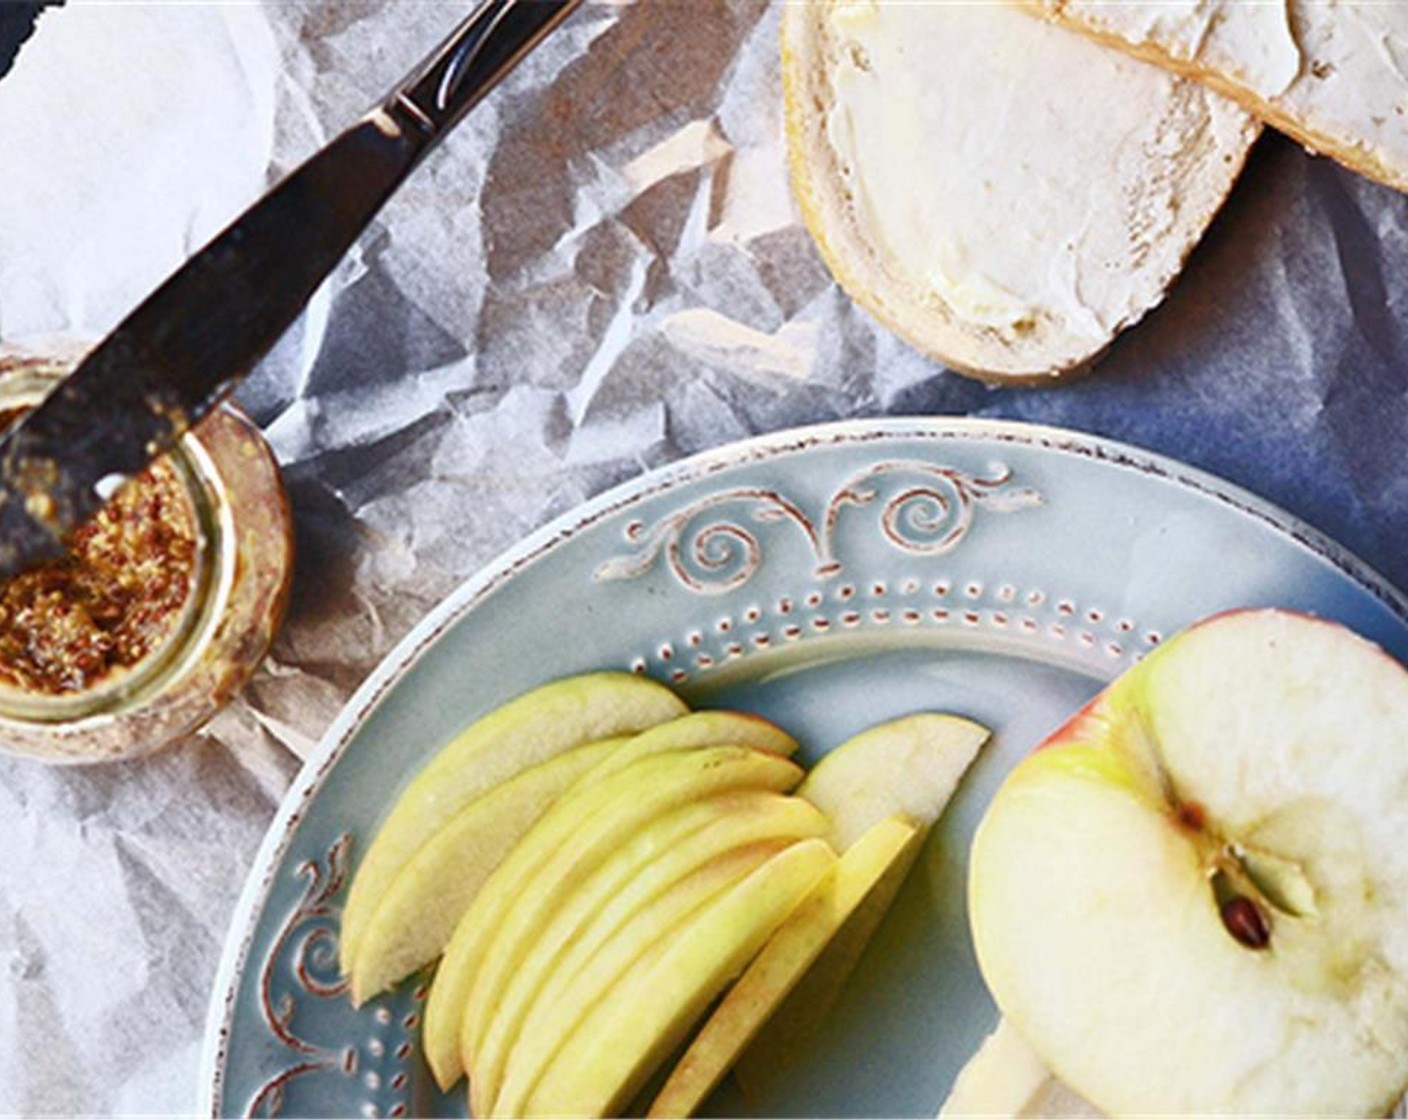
[{"x": 1070, "y": 730}]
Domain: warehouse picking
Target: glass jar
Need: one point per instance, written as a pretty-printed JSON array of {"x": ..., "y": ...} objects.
[{"x": 220, "y": 630}]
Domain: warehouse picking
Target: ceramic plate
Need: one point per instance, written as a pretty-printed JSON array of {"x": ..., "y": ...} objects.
[{"x": 829, "y": 579}]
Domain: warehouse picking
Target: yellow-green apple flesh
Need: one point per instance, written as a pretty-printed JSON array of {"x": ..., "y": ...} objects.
[
  {"x": 774, "y": 972},
  {"x": 645, "y": 1016},
  {"x": 608, "y": 948},
  {"x": 613, "y": 813},
  {"x": 530, "y": 729},
  {"x": 642, "y": 867},
  {"x": 698, "y": 729},
  {"x": 566, "y": 844},
  {"x": 416, "y": 917},
  {"x": 689, "y": 732},
  {"x": 1194, "y": 897},
  {"x": 910, "y": 765}
]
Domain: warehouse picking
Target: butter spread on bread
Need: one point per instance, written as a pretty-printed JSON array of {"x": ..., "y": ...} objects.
[
  {"x": 1331, "y": 73},
  {"x": 1003, "y": 194}
]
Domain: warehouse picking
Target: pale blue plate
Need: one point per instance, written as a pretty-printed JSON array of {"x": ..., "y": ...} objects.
[{"x": 828, "y": 578}]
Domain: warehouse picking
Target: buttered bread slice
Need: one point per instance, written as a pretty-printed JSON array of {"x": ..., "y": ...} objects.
[
  {"x": 1331, "y": 73},
  {"x": 1005, "y": 195}
]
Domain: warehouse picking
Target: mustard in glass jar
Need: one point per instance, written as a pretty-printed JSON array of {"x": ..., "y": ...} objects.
[{"x": 164, "y": 606}]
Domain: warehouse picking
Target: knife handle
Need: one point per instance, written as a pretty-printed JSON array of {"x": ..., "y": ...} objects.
[{"x": 469, "y": 63}]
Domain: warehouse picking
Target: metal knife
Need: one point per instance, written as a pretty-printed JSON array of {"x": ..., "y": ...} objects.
[{"x": 189, "y": 343}]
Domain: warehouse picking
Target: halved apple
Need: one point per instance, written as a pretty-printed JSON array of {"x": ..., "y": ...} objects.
[
  {"x": 659, "y": 855},
  {"x": 910, "y": 765},
  {"x": 1006, "y": 1078},
  {"x": 786, "y": 956},
  {"x": 567, "y": 843},
  {"x": 522, "y": 733},
  {"x": 1194, "y": 898},
  {"x": 642, "y": 1018},
  {"x": 608, "y": 948},
  {"x": 417, "y": 916}
]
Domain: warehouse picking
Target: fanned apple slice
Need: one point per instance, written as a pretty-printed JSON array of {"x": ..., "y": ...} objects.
[
  {"x": 910, "y": 765},
  {"x": 524, "y": 732},
  {"x": 568, "y": 842},
  {"x": 607, "y": 949},
  {"x": 416, "y": 917},
  {"x": 659, "y": 855},
  {"x": 1006, "y": 1078},
  {"x": 414, "y": 920},
  {"x": 659, "y": 784},
  {"x": 689, "y": 732},
  {"x": 606, "y": 1059},
  {"x": 783, "y": 960},
  {"x": 697, "y": 729}
]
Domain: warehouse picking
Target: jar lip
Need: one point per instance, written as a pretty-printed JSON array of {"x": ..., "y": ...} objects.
[{"x": 23, "y": 384}]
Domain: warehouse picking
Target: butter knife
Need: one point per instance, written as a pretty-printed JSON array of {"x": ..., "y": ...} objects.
[{"x": 190, "y": 342}]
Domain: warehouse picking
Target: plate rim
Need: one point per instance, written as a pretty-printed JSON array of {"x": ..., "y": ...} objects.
[{"x": 422, "y": 637}]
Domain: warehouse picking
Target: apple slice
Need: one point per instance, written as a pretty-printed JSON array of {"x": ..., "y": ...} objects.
[
  {"x": 415, "y": 919},
  {"x": 783, "y": 960},
  {"x": 688, "y": 732},
  {"x": 607, "y": 949},
  {"x": 655, "y": 786},
  {"x": 910, "y": 765},
  {"x": 530, "y": 729},
  {"x": 698, "y": 729},
  {"x": 567, "y": 843},
  {"x": 1006, "y": 1078},
  {"x": 659, "y": 855},
  {"x": 641, "y": 1019},
  {"x": 1192, "y": 898}
]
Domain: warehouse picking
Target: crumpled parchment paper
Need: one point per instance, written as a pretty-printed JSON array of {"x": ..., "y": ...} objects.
[{"x": 601, "y": 271}]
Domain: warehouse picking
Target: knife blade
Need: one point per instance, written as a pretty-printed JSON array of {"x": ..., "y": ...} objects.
[{"x": 186, "y": 347}]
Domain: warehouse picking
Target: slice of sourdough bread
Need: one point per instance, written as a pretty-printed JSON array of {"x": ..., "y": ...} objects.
[
  {"x": 1003, "y": 194},
  {"x": 1331, "y": 73}
]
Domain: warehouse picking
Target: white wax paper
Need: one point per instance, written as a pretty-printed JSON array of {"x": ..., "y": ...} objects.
[{"x": 601, "y": 271}]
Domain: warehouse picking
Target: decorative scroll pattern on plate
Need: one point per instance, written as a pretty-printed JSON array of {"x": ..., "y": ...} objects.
[
  {"x": 302, "y": 962},
  {"x": 928, "y": 513}
]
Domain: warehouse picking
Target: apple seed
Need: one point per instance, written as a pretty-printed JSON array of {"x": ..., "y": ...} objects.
[
  {"x": 1245, "y": 921},
  {"x": 1192, "y": 816}
]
